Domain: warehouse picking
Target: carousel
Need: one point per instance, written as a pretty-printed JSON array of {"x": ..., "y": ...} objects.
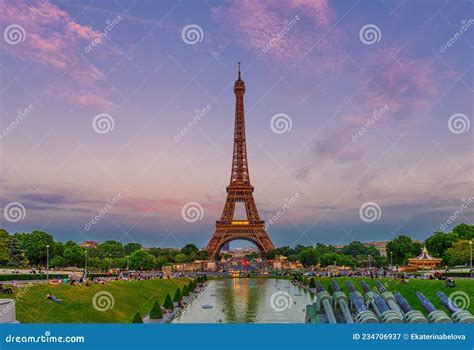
[{"x": 424, "y": 261}]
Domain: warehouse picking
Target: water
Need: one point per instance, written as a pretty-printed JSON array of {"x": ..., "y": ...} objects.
[{"x": 248, "y": 300}]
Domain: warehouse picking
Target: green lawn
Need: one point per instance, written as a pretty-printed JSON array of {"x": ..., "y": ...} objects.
[
  {"x": 77, "y": 307},
  {"x": 408, "y": 290}
]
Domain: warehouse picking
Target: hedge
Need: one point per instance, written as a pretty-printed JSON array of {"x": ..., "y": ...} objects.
[{"x": 29, "y": 277}]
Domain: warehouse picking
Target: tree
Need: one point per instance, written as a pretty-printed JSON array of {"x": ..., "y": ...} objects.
[
  {"x": 458, "y": 253},
  {"x": 181, "y": 258},
  {"x": 156, "y": 313},
  {"x": 308, "y": 257},
  {"x": 16, "y": 253},
  {"x": 188, "y": 249},
  {"x": 464, "y": 231},
  {"x": 34, "y": 244},
  {"x": 141, "y": 260},
  {"x": 129, "y": 248},
  {"x": 58, "y": 261},
  {"x": 185, "y": 292},
  {"x": 403, "y": 248},
  {"x": 312, "y": 284},
  {"x": 74, "y": 255},
  {"x": 354, "y": 248},
  {"x": 168, "y": 304},
  {"x": 4, "y": 254},
  {"x": 177, "y": 296},
  {"x": 137, "y": 318},
  {"x": 439, "y": 242},
  {"x": 111, "y": 248}
]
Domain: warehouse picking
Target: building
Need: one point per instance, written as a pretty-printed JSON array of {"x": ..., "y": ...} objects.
[
  {"x": 424, "y": 261},
  {"x": 89, "y": 244},
  {"x": 380, "y": 246}
]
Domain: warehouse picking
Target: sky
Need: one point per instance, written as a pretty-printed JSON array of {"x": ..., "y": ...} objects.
[{"x": 116, "y": 118}]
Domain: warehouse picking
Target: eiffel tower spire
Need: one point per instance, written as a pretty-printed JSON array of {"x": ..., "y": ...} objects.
[
  {"x": 240, "y": 171},
  {"x": 239, "y": 190}
]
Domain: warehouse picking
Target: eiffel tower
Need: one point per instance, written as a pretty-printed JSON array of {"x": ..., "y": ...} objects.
[{"x": 239, "y": 190}]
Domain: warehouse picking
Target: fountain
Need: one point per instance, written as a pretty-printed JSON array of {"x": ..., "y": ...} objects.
[
  {"x": 434, "y": 315},
  {"x": 340, "y": 302},
  {"x": 325, "y": 298},
  {"x": 457, "y": 314},
  {"x": 389, "y": 298},
  {"x": 380, "y": 306},
  {"x": 411, "y": 316},
  {"x": 364, "y": 315}
]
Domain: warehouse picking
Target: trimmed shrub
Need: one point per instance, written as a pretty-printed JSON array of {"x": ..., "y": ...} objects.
[
  {"x": 205, "y": 278},
  {"x": 185, "y": 292},
  {"x": 156, "y": 313},
  {"x": 191, "y": 287},
  {"x": 177, "y": 295},
  {"x": 168, "y": 304},
  {"x": 137, "y": 318},
  {"x": 312, "y": 284}
]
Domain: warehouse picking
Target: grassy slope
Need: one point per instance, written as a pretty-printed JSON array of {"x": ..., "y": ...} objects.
[
  {"x": 133, "y": 296},
  {"x": 129, "y": 297}
]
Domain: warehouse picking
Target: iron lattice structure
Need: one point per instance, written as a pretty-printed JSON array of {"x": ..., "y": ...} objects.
[{"x": 239, "y": 190}]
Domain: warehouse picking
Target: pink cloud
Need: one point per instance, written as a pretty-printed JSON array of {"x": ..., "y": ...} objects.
[
  {"x": 54, "y": 39},
  {"x": 285, "y": 31}
]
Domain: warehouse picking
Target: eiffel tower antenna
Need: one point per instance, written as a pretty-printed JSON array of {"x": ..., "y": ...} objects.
[{"x": 239, "y": 190}]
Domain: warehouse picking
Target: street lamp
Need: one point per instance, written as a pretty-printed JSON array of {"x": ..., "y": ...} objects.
[
  {"x": 391, "y": 260},
  {"x": 85, "y": 269},
  {"x": 47, "y": 262},
  {"x": 110, "y": 261},
  {"x": 470, "y": 258},
  {"x": 368, "y": 257}
]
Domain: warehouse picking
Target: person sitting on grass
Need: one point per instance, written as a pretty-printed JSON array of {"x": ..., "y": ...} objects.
[
  {"x": 450, "y": 283},
  {"x": 5, "y": 290},
  {"x": 53, "y": 298},
  {"x": 17, "y": 284}
]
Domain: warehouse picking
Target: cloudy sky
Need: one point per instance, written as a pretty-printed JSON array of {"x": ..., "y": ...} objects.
[{"x": 117, "y": 115}]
